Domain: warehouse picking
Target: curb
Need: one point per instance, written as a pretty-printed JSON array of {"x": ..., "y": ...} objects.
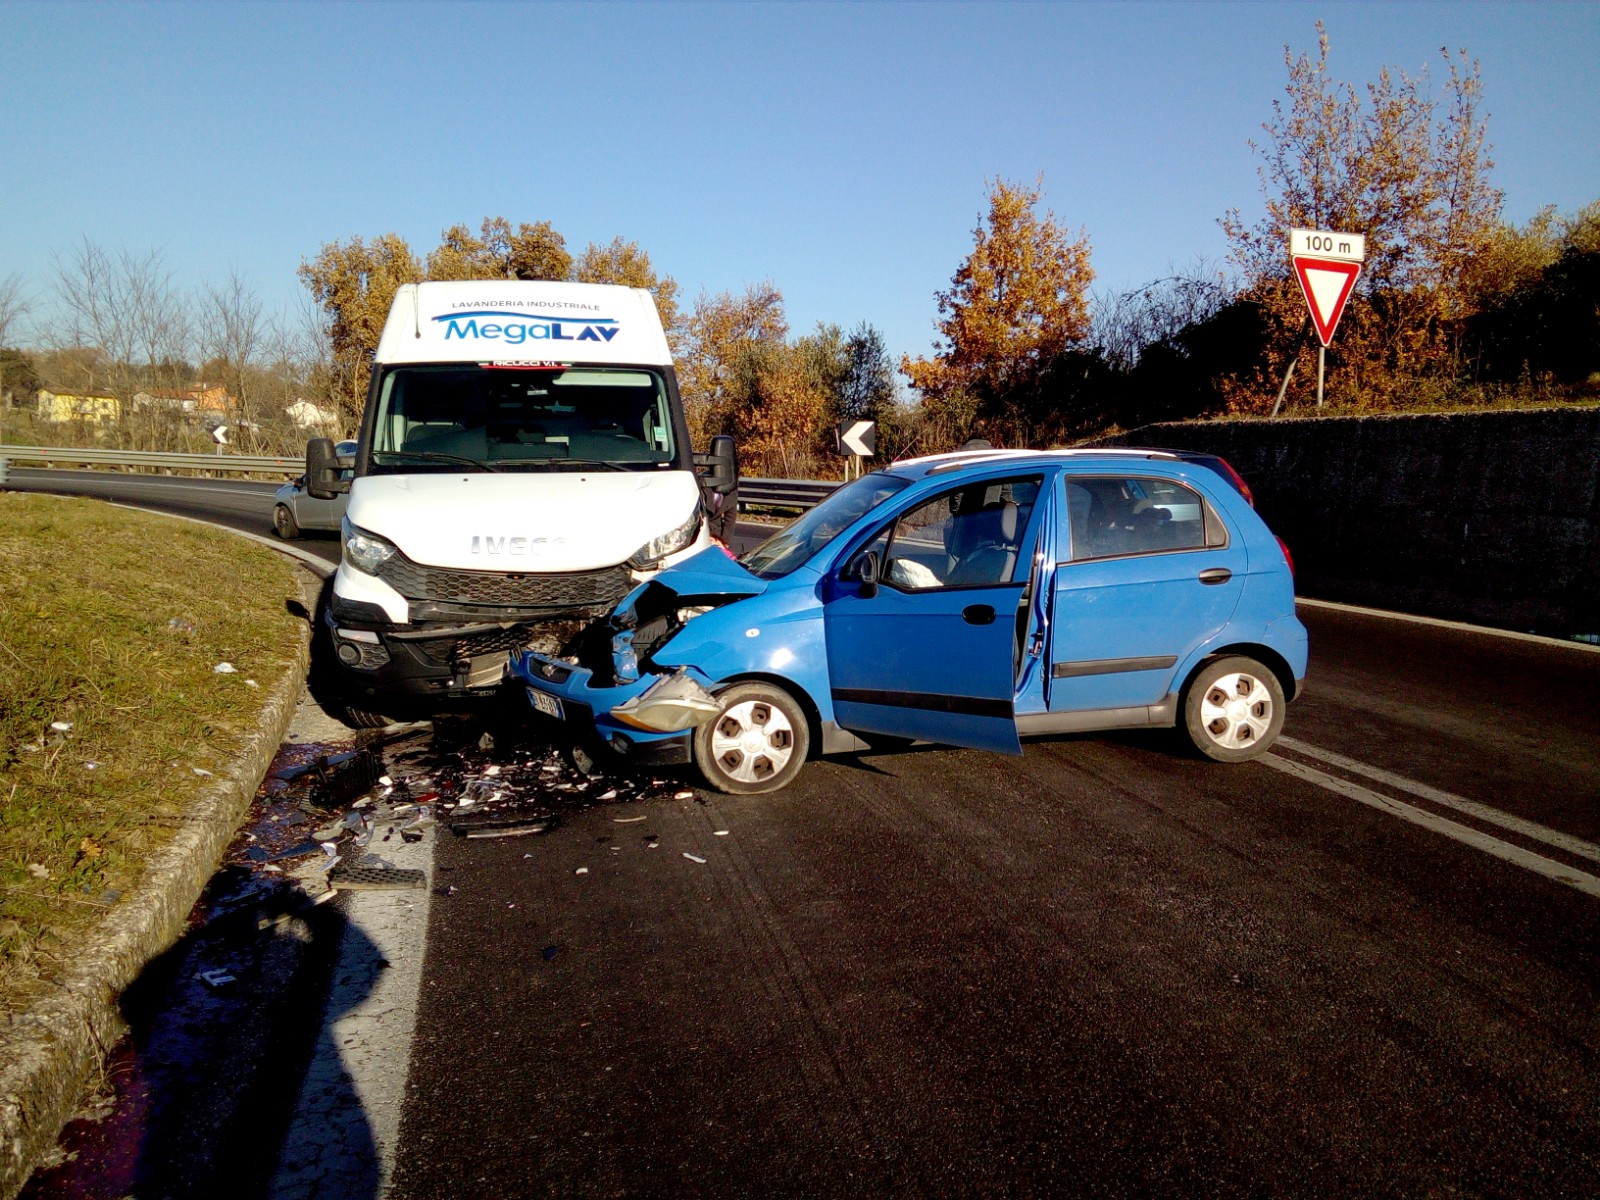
[{"x": 49, "y": 1051}]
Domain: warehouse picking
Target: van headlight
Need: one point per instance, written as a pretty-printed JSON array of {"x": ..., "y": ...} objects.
[
  {"x": 365, "y": 551},
  {"x": 648, "y": 556}
]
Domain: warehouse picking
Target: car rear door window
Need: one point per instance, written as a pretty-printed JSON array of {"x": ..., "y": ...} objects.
[{"x": 1111, "y": 516}]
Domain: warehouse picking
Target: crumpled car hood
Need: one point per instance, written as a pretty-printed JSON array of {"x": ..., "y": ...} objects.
[{"x": 711, "y": 573}]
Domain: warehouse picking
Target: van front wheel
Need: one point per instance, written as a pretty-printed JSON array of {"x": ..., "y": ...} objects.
[{"x": 758, "y": 743}]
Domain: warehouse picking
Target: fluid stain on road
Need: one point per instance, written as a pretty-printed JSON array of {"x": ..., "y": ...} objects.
[{"x": 197, "y": 1099}]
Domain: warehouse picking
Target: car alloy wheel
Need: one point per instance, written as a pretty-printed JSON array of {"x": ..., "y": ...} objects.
[
  {"x": 1233, "y": 709},
  {"x": 758, "y": 743}
]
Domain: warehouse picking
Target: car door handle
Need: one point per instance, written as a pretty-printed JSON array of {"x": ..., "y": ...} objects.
[
  {"x": 1215, "y": 575},
  {"x": 978, "y": 614}
]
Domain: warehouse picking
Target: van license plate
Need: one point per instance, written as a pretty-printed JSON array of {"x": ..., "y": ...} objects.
[{"x": 545, "y": 703}]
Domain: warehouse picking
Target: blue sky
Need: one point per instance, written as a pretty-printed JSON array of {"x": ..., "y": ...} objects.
[{"x": 840, "y": 150}]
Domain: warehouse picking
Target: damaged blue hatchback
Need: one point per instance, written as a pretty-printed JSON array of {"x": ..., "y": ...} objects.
[{"x": 970, "y": 599}]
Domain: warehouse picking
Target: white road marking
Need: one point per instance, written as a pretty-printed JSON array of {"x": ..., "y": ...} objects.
[
  {"x": 1463, "y": 626},
  {"x": 1516, "y": 855},
  {"x": 1493, "y": 816}
]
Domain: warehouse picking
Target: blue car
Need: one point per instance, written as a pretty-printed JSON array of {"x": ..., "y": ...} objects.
[{"x": 969, "y": 599}]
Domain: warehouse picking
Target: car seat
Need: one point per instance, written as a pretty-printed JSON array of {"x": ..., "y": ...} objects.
[{"x": 984, "y": 543}]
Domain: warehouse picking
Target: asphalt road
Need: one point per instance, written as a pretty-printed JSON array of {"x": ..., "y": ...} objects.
[
  {"x": 1099, "y": 969},
  {"x": 1366, "y": 965}
]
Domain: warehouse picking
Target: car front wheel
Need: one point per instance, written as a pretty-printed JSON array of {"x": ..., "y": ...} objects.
[
  {"x": 1233, "y": 710},
  {"x": 283, "y": 521},
  {"x": 758, "y": 743}
]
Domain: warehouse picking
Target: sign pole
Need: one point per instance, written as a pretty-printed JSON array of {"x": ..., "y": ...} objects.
[{"x": 1322, "y": 370}]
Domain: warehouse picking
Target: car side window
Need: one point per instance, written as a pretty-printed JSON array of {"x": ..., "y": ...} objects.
[
  {"x": 1109, "y": 517},
  {"x": 968, "y": 537}
]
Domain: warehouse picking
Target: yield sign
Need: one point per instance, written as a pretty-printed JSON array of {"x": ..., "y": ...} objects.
[{"x": 1326, "y": 283}]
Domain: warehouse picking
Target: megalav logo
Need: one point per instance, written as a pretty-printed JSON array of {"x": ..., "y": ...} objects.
[{"x": 515, "y": 328}]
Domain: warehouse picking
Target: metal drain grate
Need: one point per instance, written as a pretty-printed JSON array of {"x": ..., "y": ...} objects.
[{"x": 375, "y": 879}]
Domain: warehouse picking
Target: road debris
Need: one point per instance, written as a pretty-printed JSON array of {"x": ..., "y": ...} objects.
[
  {"x": 375, "y": 879},
  {"x": 693, "y": 857}
]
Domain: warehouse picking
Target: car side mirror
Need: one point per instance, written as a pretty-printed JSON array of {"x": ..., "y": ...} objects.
[
  {"x": 322, "y": 470},
  {"x": 865, "y": 571},
  {"x": 720, "y": 467}
]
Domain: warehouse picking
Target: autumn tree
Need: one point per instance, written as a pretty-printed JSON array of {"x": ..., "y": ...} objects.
[
  {"x": 1408, "y": 171},
  {"x": 1018, "y": 300},
  {"x": 354, "y": 284},
  {"x": 499, "y": 252},
  {"x": 623, "y": 263},
  {"x": 720, "y": 330}
]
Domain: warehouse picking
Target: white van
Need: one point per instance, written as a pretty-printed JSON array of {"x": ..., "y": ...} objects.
[{"x": 523, "y": 464}]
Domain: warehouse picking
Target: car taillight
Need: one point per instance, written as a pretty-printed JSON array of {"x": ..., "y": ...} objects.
[
  {"x": 1238, "y": 482},
  {"x": 1287, "y": 557}
]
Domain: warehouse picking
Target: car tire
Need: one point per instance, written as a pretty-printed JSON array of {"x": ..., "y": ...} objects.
[
  {"x": 758, "y": 743},
  {"x": 1233, "y": 709},
  {"x": 284, "y": 523}
]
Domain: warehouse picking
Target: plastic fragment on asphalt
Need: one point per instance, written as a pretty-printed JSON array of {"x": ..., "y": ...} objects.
[
  {"x": 217, "y": 978},
  {"x": 581, "y": 871},
  {"x": 610, "y": 795},
  {"x": 385, "y": 780},
  {"x": 684, "y": 796},
  {"x": 628, "y": 820},
  {"x": 504, "y": 830},
  {"x": 719, "y": 833},
  {"x": 693, "y": 857},
  {"x": 376, "y": 879},
  {"x": 549, "y": 952}
]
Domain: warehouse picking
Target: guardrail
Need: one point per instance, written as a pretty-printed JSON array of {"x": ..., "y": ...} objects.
[
  {"x": 154, "y": 460},
  {"x": 784, "y": 493},
  {"x": 798, "y": 494}
]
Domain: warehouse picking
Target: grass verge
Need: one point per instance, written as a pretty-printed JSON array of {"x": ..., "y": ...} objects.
[{"x": 112, "y": 711}]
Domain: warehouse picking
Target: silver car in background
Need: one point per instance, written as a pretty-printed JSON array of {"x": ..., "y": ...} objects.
[{"x": 294, "y": 511}]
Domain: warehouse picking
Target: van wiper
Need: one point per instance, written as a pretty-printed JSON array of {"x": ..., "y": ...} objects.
[
  {"x": 549, "y": 464},
  {"x": 433, "y": 456}
]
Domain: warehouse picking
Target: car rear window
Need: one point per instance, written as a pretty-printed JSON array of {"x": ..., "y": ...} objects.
[{"x": 1112, "y": 516}]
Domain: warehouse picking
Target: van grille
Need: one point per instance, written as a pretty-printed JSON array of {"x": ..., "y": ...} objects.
[{"x": 553, "y": 592}]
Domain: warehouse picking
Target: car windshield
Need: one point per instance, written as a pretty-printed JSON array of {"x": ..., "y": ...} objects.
[
  {"x": 795, "y": 545},
  {"x": 521, "y": 417}
]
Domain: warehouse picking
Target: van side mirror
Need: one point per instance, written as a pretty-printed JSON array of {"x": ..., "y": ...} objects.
[
  {"x": 322, "y": 470},
  {"x": 720, "y": 468},
  {"x": 865, "y": 572}
]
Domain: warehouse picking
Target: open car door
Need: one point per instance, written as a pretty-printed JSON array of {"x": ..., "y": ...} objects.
[{"x": 926, "y": 646}]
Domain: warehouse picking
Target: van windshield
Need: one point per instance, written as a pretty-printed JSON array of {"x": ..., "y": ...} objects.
[{"x": 503, "y": 417}]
